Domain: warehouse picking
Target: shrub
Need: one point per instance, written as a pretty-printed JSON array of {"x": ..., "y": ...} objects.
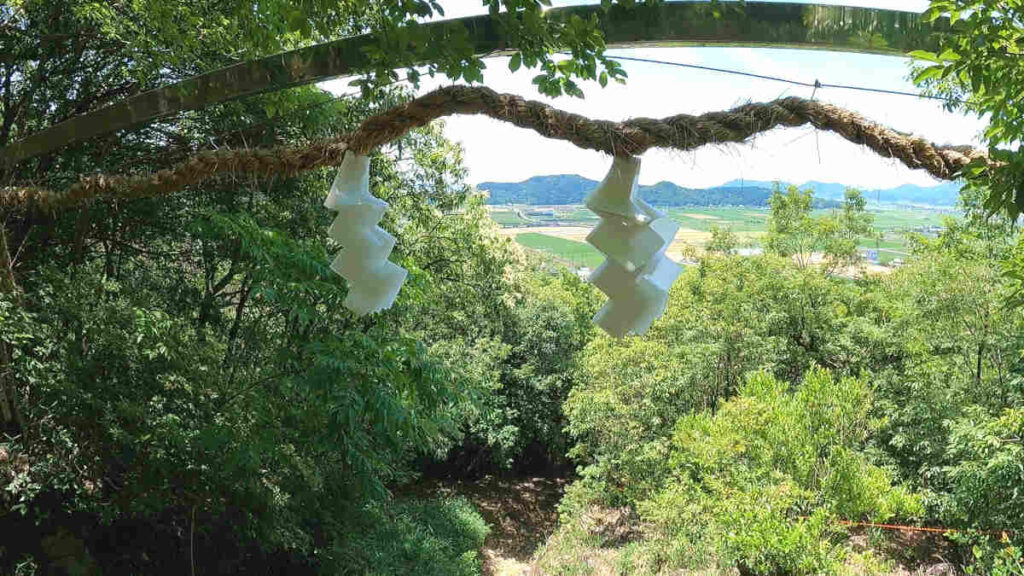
[
  {"x": 548, "y": 322},
  {"x": 983, "y": 490},
  {"x": 425, "y": 537},
  {"x": 988, "y": 470},
  {"x": 622, "y": 416},
  {"x": 761, "y": 480}
]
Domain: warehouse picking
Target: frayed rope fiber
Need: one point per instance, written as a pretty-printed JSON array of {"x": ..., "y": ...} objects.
[{"x": 629, "y": 138}]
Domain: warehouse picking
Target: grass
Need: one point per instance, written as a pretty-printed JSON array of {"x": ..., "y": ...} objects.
[
  {"x": 908, "y": 220},
  {"x": 507, "y": 218},
  {"x": 570, "y": 251},
  {"x": 578, "y": 214},
  {"x": 735, "y": 219}
]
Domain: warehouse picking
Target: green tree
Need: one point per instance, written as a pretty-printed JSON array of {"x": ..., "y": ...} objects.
[
  {"x": 794, "y": 232},
  {"x": 621, "y": 414},
  {"x": 523, "y": 26},
  {"x": 522, "y": 421},
  {"x": 984, "y": 453},
  {"x": 844, "y": 230},
  {"x": 724, "y": 319},
  {"x": 978, "y": 66},
  {"x": 943, "y": 338},
  {"x": 756, "y": 484},
  {"x": 758, "y": 480},
  {"x": 186, "y": 364},
  {"x": 207, "y": 373},
  {"x": 723, "y": 240}
]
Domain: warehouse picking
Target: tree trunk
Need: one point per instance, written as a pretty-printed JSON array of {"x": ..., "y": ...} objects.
[
  {"x": 7, "y": 283},
  {"x": 10, "y": 414},
  {"x": 977, "y": 370}
]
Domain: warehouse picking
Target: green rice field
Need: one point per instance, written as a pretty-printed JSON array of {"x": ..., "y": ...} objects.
[
  {"x": 696, "y": 222},
  {"x": 576, "y": 254}
]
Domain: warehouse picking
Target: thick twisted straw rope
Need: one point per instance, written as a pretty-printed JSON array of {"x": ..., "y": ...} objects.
[{"x": 628, "y": 138}]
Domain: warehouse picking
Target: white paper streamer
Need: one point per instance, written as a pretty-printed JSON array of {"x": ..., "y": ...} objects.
[
  {"x": 373, "y": 281},
  {"x": 637, "y": 275}
]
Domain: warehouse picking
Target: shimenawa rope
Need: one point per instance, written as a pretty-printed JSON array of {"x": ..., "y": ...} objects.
[{"x": 627, "y": 138}]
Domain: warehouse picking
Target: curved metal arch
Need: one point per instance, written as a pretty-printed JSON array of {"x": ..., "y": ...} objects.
[{"x": 757, "y": 24}]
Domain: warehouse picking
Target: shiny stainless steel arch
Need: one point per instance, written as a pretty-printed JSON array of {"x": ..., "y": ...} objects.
[{"x": 760, "y": 24}]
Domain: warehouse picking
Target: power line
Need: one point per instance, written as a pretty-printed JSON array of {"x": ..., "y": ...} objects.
[{"x": 816, "y": 84}]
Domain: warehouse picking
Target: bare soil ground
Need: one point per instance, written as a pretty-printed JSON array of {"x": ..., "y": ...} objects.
[{"x": 521, "y": 512}]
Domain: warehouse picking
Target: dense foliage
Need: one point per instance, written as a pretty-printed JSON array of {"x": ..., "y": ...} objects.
[
  {"x": 758, "y": 480},
  {"x": 181, "y": 388},
  {"x": 200, "y": 376},
  {"x": 181, "y": 385},
  {"x": 433, "y": 538},
  {"x": 708, "y": 426},
  {"x": 979, "y": 69}
]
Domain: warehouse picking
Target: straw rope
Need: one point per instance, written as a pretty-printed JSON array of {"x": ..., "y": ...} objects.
[{"x": 631, "y": 137}]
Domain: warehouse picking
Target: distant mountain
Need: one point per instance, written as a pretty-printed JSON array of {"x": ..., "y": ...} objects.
[
  {"x": 571, "y": 189},
  {"x": 944, "y": 194},
  {"x": 550, "y": 190}
]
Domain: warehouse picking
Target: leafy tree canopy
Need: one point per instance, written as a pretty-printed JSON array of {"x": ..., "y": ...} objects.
[{"x": 979, "y": 66}]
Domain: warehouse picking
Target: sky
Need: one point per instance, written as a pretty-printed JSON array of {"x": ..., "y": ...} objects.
[{"x": 495, "y": 151}]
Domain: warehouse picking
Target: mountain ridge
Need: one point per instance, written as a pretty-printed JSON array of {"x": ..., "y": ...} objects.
[
  {"x": 572, "y": 188},
  {"x": 942, "y": 194}
]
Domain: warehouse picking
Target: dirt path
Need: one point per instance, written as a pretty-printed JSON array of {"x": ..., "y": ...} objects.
[{"x": 521, "y": 512}]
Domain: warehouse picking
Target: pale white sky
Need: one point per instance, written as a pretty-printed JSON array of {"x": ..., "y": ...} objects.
[{"x": 495, "y": 151}]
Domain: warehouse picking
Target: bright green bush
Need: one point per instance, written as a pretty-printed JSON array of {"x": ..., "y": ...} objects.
[
  {"x": 761, "y": 480},
  {"x": 622, "y": 413},
  {"x": 936, "y": 340},
  {"x": 992, "y": 558}
]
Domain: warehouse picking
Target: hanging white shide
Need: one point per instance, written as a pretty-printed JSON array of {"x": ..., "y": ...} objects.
[
  {"x": 373, "y": 280},
  {"x": 636, "y": 275}
]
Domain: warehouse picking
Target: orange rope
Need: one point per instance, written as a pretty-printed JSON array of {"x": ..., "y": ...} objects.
[{"x": 904, "y": 528}]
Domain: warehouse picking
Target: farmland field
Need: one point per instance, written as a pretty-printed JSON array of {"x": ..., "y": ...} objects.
[
  {"x": 560, "y": 230},
  {"x": 572, "y": 252}
]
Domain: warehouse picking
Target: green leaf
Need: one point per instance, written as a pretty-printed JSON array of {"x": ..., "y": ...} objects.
[
  {"x": 515, "y": 61},
  {"x": 949, "y": 56},
  {"x": 924, "y": 55},
  {"x": 928, "y": 73}
]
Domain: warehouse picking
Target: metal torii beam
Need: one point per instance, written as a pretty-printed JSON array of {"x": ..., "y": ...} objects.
[{"x": 759, "y": 24}]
